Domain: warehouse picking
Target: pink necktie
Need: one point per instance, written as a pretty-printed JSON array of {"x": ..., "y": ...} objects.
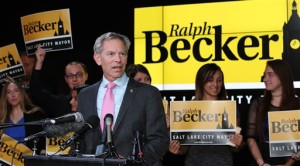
[{"x": 108, "y": 106}]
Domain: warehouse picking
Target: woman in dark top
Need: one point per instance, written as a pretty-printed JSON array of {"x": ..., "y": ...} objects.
[
  {"x": 209, "y": 85},
  {"x": 17, "y": 108},
  {"x": 279, "y": 95}
]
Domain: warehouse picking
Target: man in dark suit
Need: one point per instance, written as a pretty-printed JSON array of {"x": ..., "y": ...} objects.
[{"x": 135, "y": 103}]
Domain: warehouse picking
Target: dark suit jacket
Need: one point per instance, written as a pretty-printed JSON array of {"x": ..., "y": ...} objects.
[{"x": 142, "y": 103}]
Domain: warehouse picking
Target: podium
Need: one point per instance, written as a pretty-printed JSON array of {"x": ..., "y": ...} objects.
[{"x": 38, "y": 160}]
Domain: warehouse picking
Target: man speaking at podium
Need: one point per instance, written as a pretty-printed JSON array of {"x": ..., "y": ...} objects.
[{"x": 132, "y": 102}]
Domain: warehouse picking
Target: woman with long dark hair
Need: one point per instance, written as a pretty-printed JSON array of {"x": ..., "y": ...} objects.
[
  {"x": 209, "y": 85},
  {"x": 279, "y": 95}
]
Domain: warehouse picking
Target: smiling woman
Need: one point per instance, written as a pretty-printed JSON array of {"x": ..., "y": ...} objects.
[
  {"x": 210, "y": 87},
  {"x": 279, "y": 95}
]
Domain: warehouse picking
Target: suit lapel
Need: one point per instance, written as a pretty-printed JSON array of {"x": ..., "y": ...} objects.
[{"x": 127, "y": 99}]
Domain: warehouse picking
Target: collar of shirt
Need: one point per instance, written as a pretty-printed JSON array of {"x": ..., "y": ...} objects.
[
  {"x": 118, "y": 92},
  {"x": 121, "y": 82}
]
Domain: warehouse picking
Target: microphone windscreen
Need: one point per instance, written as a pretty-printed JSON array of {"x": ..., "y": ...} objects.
[
  {"x": 59, "y": 130},
  {"x": 78, "y": 117},
  {"x": 136, "y": 126},
  {"x": 93, "y": 121},
  {"x": 108, "y": 119}
]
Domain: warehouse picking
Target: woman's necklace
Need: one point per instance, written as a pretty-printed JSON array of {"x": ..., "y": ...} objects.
[{"x": 276, "y": 95}]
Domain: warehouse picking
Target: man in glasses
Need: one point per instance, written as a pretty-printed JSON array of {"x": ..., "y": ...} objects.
[
  {"x": 56, "y": 105},
  {"x": 75, "y": 74}
]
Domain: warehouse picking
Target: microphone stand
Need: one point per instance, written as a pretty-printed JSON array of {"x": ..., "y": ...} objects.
[
  {"x": 132, "y": 157},
  {"x": 7, "y": 125},
  {"x": 34, "y": 149},
  {"x": 77, "y": 151},
  {"x": 135, "y": 158},
  {"x": 110, "y": 151}
]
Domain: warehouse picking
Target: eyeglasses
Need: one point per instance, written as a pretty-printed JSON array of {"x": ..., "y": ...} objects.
[{"x": 72, "y": 76}]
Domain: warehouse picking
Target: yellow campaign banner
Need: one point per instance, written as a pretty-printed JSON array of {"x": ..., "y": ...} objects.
[
  {"x": 202, "y": 122},
  {"x": 179, "y": 39},
  {"x": 284, "y": 132},
  {"x": 52, "y": 29},
  {"x": 53, "y": 145},
  {"x": 10, "y": 62},
  {"x": 11, "y": 152}
]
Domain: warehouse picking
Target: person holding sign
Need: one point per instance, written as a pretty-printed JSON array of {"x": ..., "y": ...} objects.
[
  {"x": 17, "y": 108},
  {"x": 210, "y": 86},
  {"x": 56, "y": 105},
  {"x": 28, "y": 62},
  {"x": 279, "y": 95},
  {"x": 296, "y": 156}
]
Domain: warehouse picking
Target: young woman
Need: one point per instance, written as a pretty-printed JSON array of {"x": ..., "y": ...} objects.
[
  {"x": 279, "y": 95},
  {"x": 17, "y": 108},
  {"x": 210, "y": 86},
  {"x": 139, "y": 73}
]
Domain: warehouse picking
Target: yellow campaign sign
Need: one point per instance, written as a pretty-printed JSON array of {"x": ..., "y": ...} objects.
[
  {"x": 181, "y": 38},
  {"x": 11, "y": 150},
  {"x": 53, "y": 144},
  {"x": 10, "y": 62},
  {"x": 52, "y": 29},
  {"x": 202, "y": 122},
  {"x": 165, "y": 104},
  {"x": 203, "y": 115},
  {"x": 284, "y": 125},
  {"x": 284, "y": 132}
]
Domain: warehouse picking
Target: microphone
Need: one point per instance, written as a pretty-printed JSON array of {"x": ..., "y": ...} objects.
[
  {"x": 110, "y": 148},
  {"x": 137, "y": 131},
  {"x": 52, "y": 131},
  {"x": 32, "y": 137},
  {"x": 73, "y": 117},
  {"x": 91, "y": 123},
  {"x": 59, "y": 130},
  {"x": 108, "y": 121}
]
